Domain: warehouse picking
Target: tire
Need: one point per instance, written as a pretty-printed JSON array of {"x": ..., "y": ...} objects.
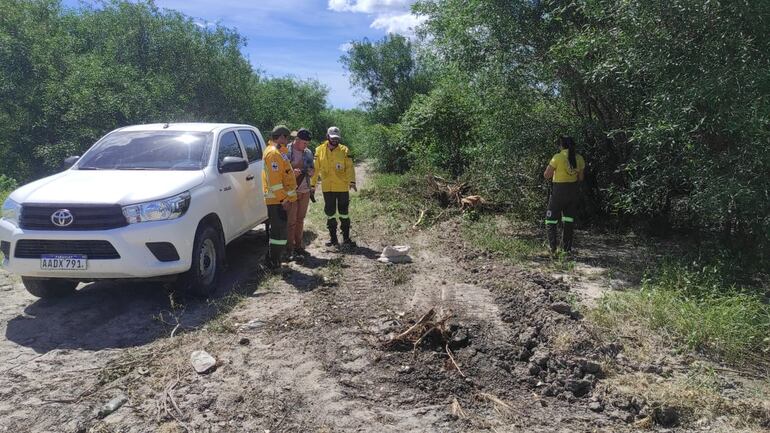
[
  {"x": 49, "y": 288},
  {"x": 207, "y": 262}
]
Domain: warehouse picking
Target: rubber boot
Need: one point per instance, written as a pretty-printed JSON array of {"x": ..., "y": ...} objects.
[
  {"x": 553, "y": 240},
  {"x": 331, "y": 224},
  {"x": 345, "y": 227},
  {"x": 274, "y": 256},
  {"x": 568, "y": 235}
]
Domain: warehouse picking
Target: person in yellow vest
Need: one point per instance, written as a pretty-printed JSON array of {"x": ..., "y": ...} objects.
[
  {"x": 334, "y": 169},
  {"x": 566, "y": 169},
  {"x": 280, "y": 188}
]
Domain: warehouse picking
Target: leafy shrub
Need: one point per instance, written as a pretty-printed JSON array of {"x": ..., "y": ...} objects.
[
  {"x": 7, "y": 185},
  {"x": 387, "y": 148},
  {"x": 442, "y": 127}
]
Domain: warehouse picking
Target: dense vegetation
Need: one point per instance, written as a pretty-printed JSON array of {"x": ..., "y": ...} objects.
[
  {"x": 668, "y": 101},
  {"x": 69, "y": 76}
]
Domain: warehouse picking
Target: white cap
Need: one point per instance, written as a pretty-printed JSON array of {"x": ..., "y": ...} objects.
[{"x": 333, "y": 132}]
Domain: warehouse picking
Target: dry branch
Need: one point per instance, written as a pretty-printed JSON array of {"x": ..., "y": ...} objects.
[
  {"x": 452, "y": 358},
  {"x": 457, "y": 410},
  {"x": 498, "y": 403},
  {"x": 419, "y": 220},
  {"x": 453, "y": 194},
  {"x": 401, "y": 337},
  {"x": 418, "y": 333}
]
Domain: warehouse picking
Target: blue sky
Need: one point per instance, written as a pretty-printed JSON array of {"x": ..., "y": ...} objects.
[{"x": 300, "y": 38}]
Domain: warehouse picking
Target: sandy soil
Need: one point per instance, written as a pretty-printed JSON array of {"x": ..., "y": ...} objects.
[{"x": 304, "y": 351}]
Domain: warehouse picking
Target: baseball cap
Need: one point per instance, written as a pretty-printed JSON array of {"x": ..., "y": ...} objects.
[
  {"x": 280, "y": 130},
  {"x": 333, "y": 132},
  {"x": 304, "y": 134}
]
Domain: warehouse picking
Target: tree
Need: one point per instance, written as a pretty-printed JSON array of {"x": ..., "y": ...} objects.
[
  {"x": 387, "y": 71},
  {"x": 669, "y": 101},
  {"x": 69, "y": 76}
]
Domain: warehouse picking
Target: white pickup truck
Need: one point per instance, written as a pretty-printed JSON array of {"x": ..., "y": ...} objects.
[{"x": 145, "y": 201}]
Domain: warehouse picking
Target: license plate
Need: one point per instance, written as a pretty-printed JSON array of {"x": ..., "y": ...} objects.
[{"x": 63, "y": 262}]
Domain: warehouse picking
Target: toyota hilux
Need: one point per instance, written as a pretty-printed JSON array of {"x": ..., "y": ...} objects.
[{"x": 145, "y": 201}]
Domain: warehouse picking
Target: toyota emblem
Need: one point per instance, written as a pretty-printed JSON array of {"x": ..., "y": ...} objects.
[{"x": 62, "y": 218}]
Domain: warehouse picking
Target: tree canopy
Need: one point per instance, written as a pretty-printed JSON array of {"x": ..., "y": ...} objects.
[
  {"x": 69, "y": 76},
  {"x": 388, "y": 73},
  {"x": 669, "y": 103}
]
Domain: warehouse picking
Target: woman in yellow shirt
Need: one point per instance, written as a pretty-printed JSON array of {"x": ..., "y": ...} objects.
[{"x": 566, "y": 169}]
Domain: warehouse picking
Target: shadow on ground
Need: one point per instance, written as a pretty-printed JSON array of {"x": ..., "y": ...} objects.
[{"x": 105, "y": 315}]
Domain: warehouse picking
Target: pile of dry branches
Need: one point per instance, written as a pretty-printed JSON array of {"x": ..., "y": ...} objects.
[
  {"x": 431, "y": 327},
  {"x": 452, "y": 194}
]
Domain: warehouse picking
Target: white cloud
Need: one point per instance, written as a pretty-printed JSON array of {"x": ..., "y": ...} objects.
[
  {"x": 369, "y": 6},
  {"x": 392, "y": 16},
  {"x": 346, "y": 47},
  {"x": 403, "y": 24}
]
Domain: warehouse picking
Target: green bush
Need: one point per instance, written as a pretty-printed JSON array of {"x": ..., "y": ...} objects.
[
  {"x": 387, "y": 148},
  {"x": 442, "y": 127},
  {"x": 7, "y": 185}
]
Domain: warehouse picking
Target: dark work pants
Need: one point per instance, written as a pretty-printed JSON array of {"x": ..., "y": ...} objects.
[
  {"x": 279, "y": 233},
  {"x": 562, "y": 206},
  {"x": 336, "y": 204}
]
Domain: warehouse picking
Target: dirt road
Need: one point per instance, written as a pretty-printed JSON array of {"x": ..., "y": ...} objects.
[{"x": 304, "y": 352}]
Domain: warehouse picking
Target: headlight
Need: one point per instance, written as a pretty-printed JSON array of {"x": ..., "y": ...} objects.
[
  {"x": 161, "y": 210},
  {"x": 11, "y": 211}
]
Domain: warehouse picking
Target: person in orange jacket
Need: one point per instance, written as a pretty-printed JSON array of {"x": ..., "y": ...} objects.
[
  {"x": 334, "y": 168},
  {"x": 280, "y": 188}
]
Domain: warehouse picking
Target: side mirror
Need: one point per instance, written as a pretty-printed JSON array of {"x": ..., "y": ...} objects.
[
  {"x": 232, "y": 164},
  {"x": 69, "y": 162}
]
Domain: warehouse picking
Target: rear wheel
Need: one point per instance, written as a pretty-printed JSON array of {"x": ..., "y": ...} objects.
[
  {"x": 49, "y": 288},
  {"x": 207, "y": 260}
]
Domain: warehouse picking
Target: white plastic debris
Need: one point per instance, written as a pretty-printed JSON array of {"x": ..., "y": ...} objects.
[
  {"x": 395, "y": 254},
  {"x": 112, "y": 405},
  {"x": 252, "y": 324},
  {"x": 202, "y": 362}
]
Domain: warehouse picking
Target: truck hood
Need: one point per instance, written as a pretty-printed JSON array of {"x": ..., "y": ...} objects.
[{"x": 121, "y": 187}]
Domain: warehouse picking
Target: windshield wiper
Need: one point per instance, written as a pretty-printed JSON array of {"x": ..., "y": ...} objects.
[
  {"x": 90, "y": 168},
  {"x": 136, "y": 168}
]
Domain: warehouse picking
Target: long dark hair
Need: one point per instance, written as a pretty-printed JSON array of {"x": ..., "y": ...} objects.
[{"x": 566, "y": 142}]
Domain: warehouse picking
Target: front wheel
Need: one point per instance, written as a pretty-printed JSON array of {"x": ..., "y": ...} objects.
[
  {"x": 208, "y": 251},
  {"x": 49, "y": 288}
]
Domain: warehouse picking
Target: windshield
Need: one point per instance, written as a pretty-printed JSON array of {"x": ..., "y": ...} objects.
[{"x": 149, "y": 150}]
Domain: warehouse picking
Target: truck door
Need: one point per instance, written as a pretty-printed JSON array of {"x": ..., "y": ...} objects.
[
  {"x": 256, "y": 211},
  {"x": 233, "y": 187}
]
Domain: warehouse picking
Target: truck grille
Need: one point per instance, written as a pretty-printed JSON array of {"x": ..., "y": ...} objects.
[
  {"x": 94, "y": 250},
  {"x": 5, "y": 248},
  {"x": 84, "y": 217}
]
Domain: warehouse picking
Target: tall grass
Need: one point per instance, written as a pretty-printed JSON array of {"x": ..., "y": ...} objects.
[
  {"x": 485, "y": 233},
  {"x": 699, "y": 307}
]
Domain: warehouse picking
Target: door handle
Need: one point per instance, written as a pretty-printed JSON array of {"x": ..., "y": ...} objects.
[{"x": 250, "y": 177}]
